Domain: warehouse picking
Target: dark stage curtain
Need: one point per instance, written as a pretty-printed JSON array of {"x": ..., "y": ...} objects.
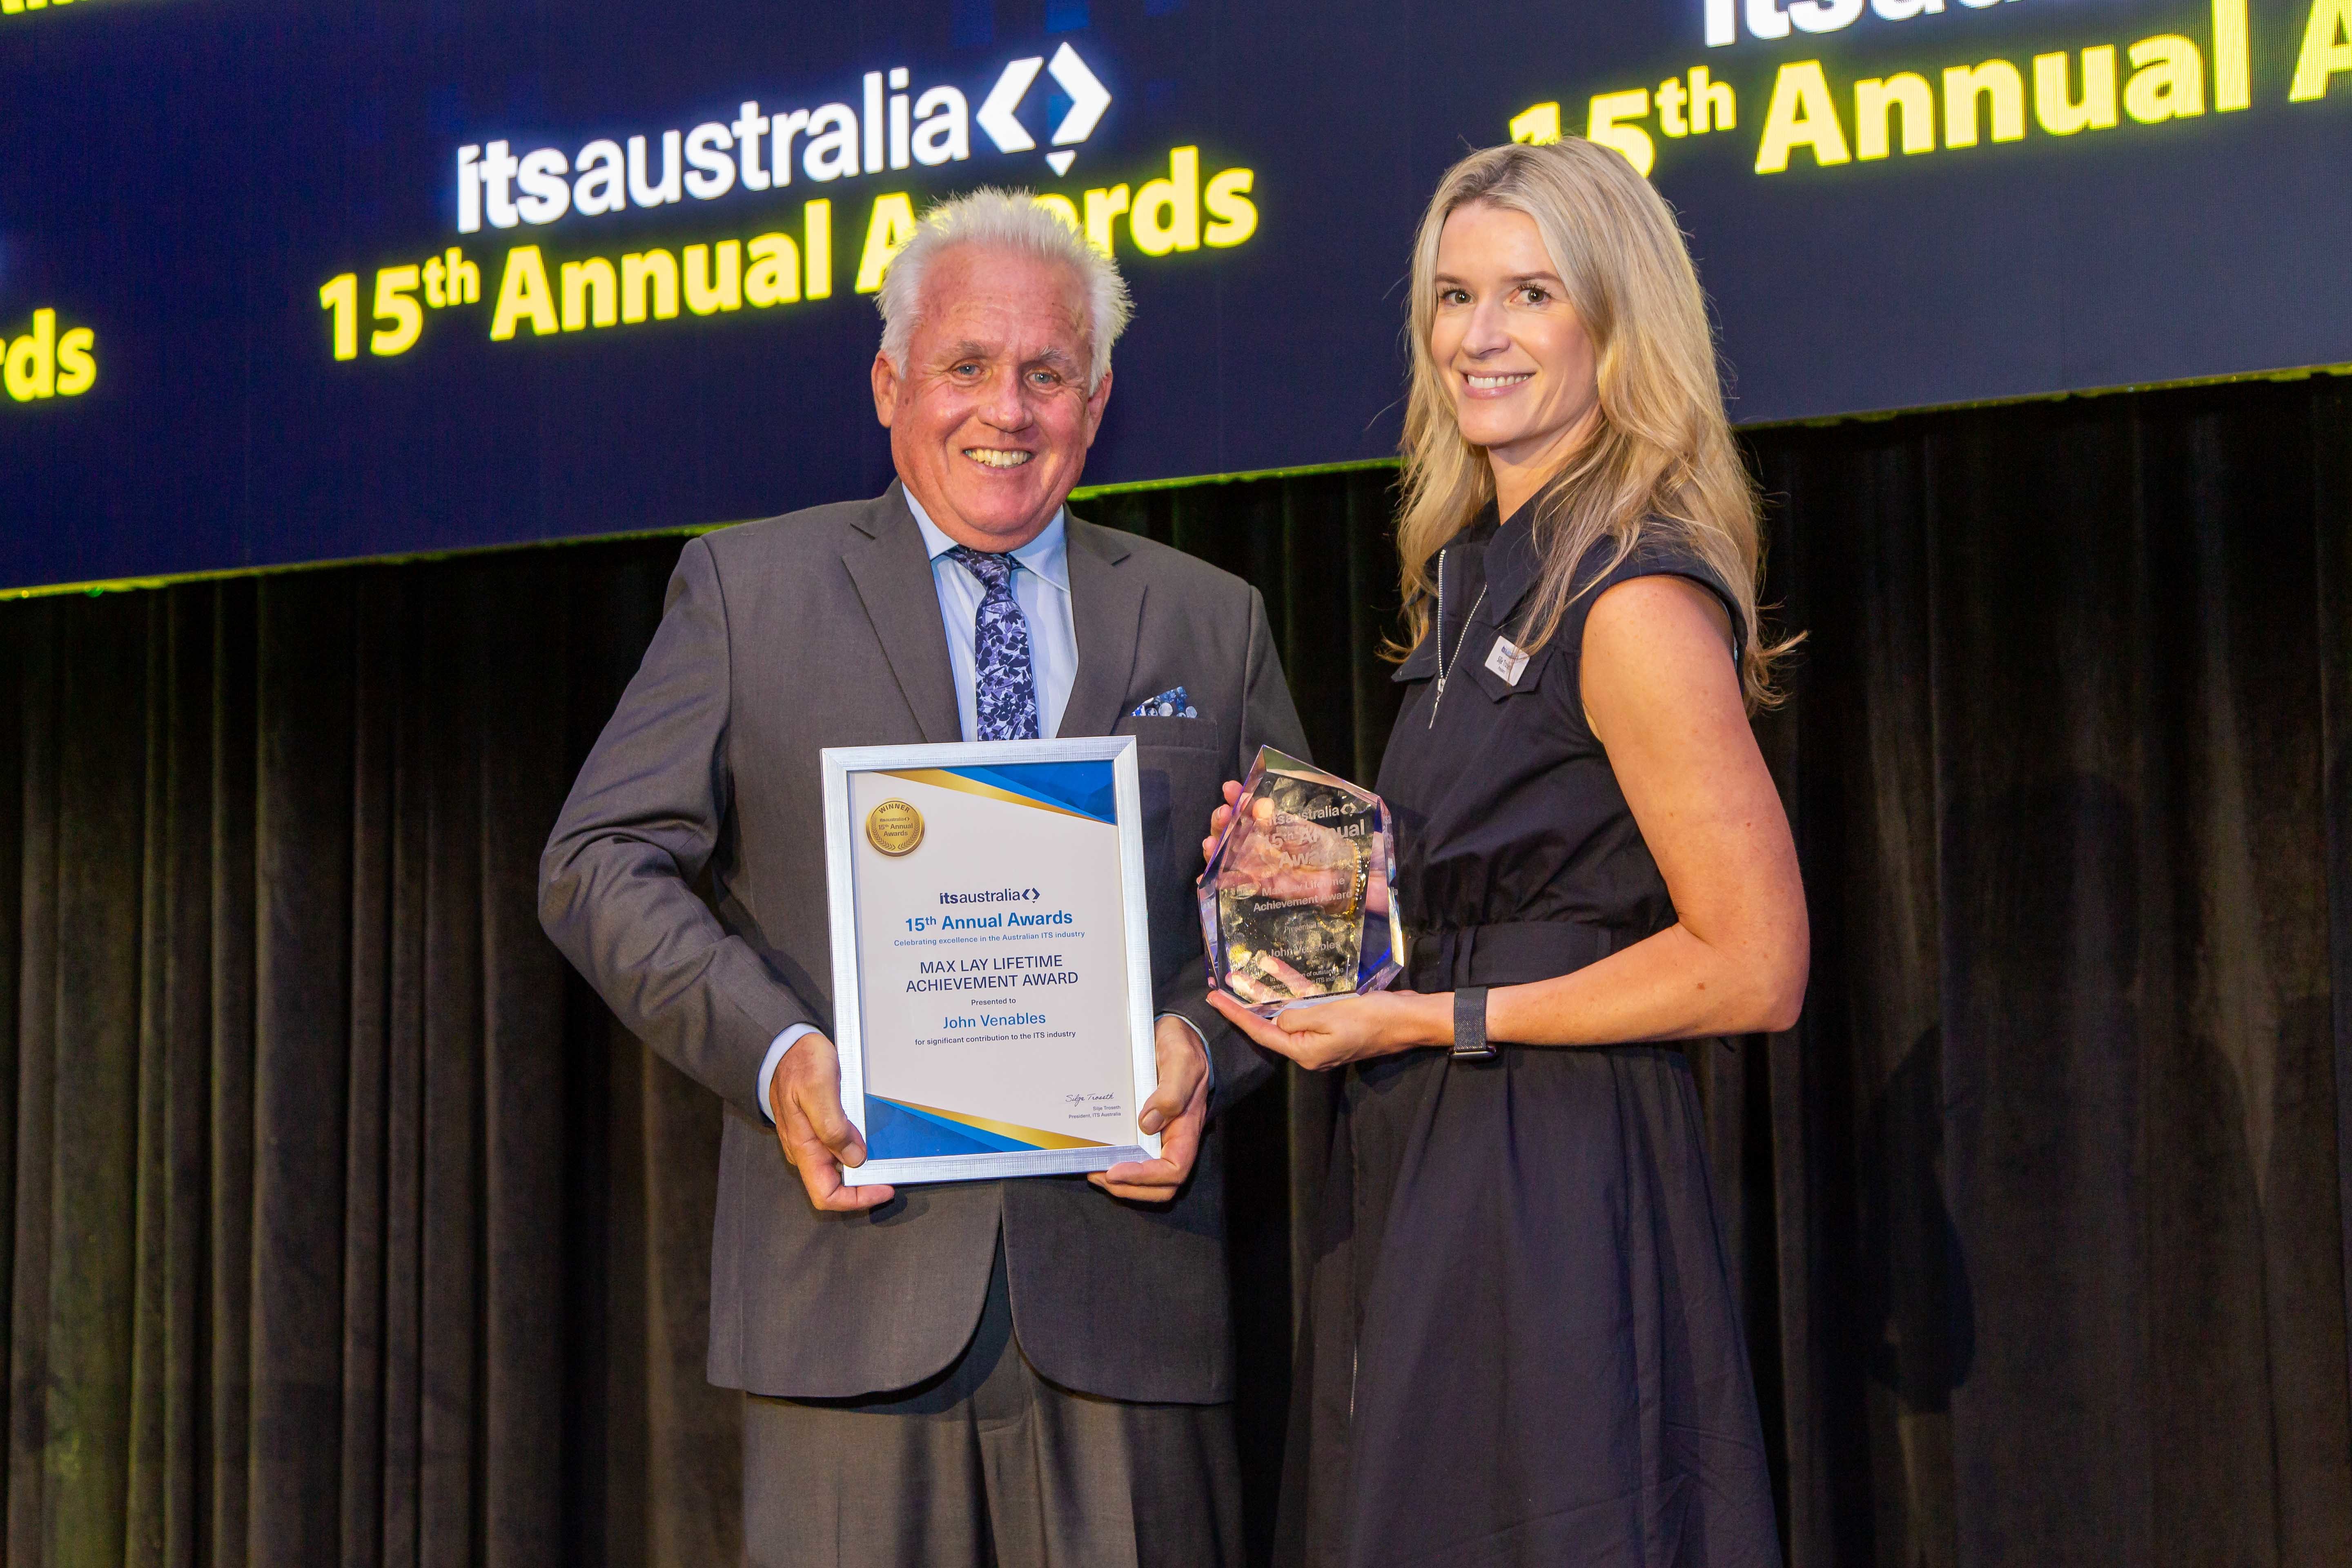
[
  {"x": 345, "y": 1227},
  {"x": 2045, "y": 1237}
]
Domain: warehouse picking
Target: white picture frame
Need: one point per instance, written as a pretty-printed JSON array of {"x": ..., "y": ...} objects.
[{"x": 1015, "y": 1096}]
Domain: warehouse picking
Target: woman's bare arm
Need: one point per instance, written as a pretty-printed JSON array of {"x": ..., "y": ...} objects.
[{"x": 1663, "y": 697}]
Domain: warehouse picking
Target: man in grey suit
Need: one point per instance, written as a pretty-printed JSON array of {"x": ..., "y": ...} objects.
[{"x": 1021, "y": 1371}]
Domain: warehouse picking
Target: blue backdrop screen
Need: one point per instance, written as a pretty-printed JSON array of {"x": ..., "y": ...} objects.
[{"x": 284, "y": 282}]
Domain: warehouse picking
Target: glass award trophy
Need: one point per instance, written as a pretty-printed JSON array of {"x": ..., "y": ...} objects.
[{"x": 1295, "y": 903}]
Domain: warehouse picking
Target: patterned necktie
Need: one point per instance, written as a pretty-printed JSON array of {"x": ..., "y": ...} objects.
[{"x": 1004, "y": 694}]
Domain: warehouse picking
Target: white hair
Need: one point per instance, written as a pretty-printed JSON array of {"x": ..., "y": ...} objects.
[{"x": 1008, "y": 220}]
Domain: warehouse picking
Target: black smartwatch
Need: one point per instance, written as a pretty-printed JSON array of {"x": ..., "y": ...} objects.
[{"x": 1470, "y": 1042}]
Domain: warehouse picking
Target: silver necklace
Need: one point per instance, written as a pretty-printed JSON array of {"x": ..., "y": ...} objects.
[{"x": 1443, "y": 668}]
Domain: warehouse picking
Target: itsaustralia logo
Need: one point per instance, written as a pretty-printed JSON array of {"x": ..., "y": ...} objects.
[
  {"x": 777, "y": 250},
  {"x": 894, "y": 127},
  {"x": 1771, "y": 20}
]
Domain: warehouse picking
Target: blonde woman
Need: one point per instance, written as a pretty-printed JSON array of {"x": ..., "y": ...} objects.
[{"x": 1522, "y": 1347}]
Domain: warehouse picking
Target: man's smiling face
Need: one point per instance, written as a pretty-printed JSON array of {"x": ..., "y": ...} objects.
[{"x": 989, "y": 417}]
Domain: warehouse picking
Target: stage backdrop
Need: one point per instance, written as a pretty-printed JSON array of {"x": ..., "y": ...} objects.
[
  {"x": 299, "y": 279},
  {"x": 344, "y": 1226}
]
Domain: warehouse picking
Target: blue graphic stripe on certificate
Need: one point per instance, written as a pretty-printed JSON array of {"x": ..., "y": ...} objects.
[
  {"x": 899, "y": 1132},
  {"x": 1085, "y": 787}
]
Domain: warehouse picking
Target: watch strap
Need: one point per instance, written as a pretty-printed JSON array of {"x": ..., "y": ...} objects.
[{"x": 1470, "y": 1040}]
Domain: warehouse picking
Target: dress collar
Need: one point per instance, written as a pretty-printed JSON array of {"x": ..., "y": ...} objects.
[
  {"x": 1513, "y": 565},
  {"x": 1048, "y": 555}
]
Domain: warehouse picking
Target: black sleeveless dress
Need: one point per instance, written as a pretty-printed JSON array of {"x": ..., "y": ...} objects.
[{"x": 1521, "y": 1345}]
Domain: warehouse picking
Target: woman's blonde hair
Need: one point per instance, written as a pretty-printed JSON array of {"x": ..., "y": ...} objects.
[{"x": 1661, "y": 456}]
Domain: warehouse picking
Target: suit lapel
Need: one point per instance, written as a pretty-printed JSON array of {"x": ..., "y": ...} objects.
[
  {"x": 1106, "y": 613},
  {"x": 894, "y": 582}
]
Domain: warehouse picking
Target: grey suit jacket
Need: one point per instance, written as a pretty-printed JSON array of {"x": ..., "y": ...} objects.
[{"x": 819, "y": 629}]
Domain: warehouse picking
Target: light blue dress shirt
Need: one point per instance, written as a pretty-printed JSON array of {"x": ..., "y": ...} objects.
[{"x": 1041, "y": 587}]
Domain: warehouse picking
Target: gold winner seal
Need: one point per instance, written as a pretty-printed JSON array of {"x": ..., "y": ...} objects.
[{"x": 894, "y": 827}]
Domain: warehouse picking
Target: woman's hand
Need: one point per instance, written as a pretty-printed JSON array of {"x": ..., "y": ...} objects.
[
  {"x": 1351, "y": 1029},
  {"x": 1260, "y": 860},
  {"x": 1219, "y": 817},
  {"x": 1276, "y": 856}
]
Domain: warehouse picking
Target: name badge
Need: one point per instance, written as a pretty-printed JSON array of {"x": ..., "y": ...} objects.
[{"x": 1508, "y": 660}]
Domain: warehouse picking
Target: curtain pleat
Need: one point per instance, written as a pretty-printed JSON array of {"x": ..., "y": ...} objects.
[
  {"x": 369, "y": 1190},
  {"x": 344, "y": 1225},
  {"x": 20, "y": 868},
  {"x": 227, "y": 679},
  {"x": 524, "y": 778},
  {"x": 302, "y": 962},
  {"x": 2331, "y": 466},
  {"x": 33, "y": 1085},
  {"x": 93, "y": 1116}
]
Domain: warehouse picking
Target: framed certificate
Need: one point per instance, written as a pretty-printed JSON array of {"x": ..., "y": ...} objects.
[{"x": 992, "y": 966}]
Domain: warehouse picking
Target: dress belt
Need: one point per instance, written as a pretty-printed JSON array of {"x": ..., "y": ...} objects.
[{"x": 1511, "y": 952}]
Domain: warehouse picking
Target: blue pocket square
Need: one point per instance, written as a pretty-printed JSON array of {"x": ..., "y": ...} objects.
[{"x": 1170, "y": 704}]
